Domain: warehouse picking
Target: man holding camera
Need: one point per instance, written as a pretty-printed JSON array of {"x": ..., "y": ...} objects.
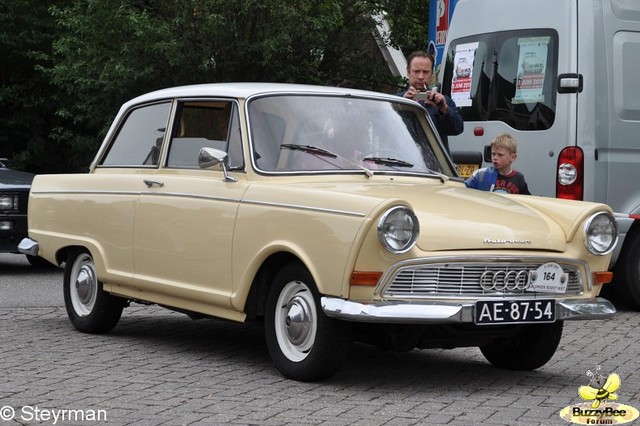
[{"x": 443, "y": 111}]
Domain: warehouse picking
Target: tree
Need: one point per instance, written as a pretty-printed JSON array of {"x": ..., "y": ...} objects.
[
  {"x": 27, "y": 107},
  {"x": 95, "y": 55}
]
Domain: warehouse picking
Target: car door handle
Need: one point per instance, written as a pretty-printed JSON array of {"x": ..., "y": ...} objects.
[{"x": 151, "y": 183}]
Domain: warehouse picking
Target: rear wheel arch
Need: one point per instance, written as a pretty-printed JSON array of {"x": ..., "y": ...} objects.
[
  {"x": 89, "y": 308},
  {"x": 63, "y": 253}
]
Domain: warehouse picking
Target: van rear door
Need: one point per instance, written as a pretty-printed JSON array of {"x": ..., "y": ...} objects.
[{"x": 502, "y": 63}]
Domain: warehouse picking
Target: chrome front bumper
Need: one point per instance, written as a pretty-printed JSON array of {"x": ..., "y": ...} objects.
[{"x": 425, "y": 312}]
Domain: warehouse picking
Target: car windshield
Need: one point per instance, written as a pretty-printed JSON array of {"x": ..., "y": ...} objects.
[{"x": 313, "y": 133}]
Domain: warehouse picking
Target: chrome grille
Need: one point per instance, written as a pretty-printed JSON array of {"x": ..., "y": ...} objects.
[{"x": 463, "y": 279}]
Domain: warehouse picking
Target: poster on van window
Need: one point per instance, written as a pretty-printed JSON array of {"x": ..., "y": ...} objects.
[
  {"x": 463, "y": 73},
  {"x": 531, "y": 65}
]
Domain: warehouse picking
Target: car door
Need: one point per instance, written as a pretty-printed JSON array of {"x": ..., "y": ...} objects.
[
  {"x": 108, "y": 197},
  {"x": 185, "y": 219}
]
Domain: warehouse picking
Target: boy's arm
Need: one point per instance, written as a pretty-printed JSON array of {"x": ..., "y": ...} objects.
[
  {"x": 524, "y": 188},
  {"x": 472, "y": 182}
]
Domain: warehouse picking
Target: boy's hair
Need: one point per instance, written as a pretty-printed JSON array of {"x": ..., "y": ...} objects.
[{"x": 506, "y": 141}]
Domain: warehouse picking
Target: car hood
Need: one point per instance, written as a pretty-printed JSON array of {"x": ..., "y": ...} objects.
[
  {"x": 453, "y": 217},
  {"x": 461, "y": 219},
  {"x": 14, "y": 178}
]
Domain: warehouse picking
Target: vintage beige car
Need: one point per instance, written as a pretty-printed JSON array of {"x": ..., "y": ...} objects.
[{"x": 329, "y": 214}]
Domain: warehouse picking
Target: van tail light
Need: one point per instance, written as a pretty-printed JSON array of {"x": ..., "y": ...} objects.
[{"x": 570, "y": 178}]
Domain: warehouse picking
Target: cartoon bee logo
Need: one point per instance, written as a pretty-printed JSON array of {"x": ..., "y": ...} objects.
[{"x": 600, "y": 388}]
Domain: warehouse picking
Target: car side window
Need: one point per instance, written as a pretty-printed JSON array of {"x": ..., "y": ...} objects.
[
  {"x": 199, "y": 124},
  {"x": 139, "y": 139}
]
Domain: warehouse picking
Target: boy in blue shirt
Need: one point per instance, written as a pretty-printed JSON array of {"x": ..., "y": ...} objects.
[{"x": 500, "y": 177}]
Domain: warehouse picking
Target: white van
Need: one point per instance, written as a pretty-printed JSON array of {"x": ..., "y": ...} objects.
[{"x": 563, "y": 77}]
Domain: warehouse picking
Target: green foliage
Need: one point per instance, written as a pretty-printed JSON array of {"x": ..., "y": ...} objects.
[
  {"x": 27, "y": 110},
  {"x": 74, "y": 62}
]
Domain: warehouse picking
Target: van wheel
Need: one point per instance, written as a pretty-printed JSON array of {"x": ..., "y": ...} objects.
[
  {"x": 89, "y": 307},
  {"x": 528, "y": 350},
  {"x": 303, "y": 342},
  {"x": 626, "y": 273}
]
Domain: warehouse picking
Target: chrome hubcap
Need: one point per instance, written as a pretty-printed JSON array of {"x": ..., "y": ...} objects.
[
  {"x": 296, "y": 321},
  {"x": 83, "y": 284}
]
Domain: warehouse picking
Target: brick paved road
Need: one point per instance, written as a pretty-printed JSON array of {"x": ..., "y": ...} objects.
[{"x": 159, "y": 367}]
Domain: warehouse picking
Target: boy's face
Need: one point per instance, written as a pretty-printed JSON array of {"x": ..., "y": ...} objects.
[{"x": 502, "y": 159}]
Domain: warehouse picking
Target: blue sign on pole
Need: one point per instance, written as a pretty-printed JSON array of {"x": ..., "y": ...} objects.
[{"x": 440, "y": 12}]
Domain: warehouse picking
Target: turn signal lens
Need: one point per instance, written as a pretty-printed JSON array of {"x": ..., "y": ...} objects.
[
  {"x": 366, "y": 278},
  {"x": 602, "y": 277}
]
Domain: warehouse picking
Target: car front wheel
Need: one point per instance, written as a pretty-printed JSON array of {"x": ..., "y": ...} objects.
[
  {"x": 530, "y": 349},
  {"x": 626, "y": 272},
  {"x": 303, "y": 342},
  {"x": 90, "y": 309}
]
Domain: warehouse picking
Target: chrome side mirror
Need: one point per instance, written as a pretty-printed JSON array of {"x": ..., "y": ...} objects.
[{"x": 209, "y": 157}]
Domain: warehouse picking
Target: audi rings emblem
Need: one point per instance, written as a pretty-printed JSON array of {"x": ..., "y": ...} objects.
[{"x": 503, "y": 280}]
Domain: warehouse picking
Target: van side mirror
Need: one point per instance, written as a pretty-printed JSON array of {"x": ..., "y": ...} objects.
[{"x": 487, "y": 153}]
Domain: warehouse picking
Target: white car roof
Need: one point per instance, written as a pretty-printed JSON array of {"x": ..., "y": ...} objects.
[{"x": 246, "y": 90}]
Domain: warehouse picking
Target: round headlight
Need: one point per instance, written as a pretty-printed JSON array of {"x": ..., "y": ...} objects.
[
  {"x": 398, "y": 229},
  {"x": 600, "y": 233}
]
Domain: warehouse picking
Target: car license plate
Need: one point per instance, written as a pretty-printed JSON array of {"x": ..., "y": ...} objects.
[
  {"x": 466, "y": 170},
  {"x": 515, "y": 311}
]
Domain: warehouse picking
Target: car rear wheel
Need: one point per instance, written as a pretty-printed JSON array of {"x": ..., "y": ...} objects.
[
  {"x": 303, "y": 342},
  {"x": 528, "y": 350},
  {"x": 90, "y": 309}
]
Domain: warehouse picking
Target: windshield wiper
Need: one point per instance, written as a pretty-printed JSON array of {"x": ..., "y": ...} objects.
[
  {"x": 310, "y": 149},
  {"x": 316, "y": 150},
  {"x": 394, "y": 162},
  {"x": 388, "y": 161}
]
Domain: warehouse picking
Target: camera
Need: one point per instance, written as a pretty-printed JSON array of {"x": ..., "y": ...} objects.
[
  {"x": 429, "y": 95},
  {"x": 423, "y": 96}
]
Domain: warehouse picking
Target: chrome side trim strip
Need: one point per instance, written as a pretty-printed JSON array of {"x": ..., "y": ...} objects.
[
  {"x": 308, "y": 208},
  {"x": 204, "y": 197},
  {"x": 71, "y": 192}
]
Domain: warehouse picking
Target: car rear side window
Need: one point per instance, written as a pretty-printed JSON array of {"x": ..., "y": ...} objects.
[
  {"x": 138, "y": 142},
  {"x": 505, "y": 76}
]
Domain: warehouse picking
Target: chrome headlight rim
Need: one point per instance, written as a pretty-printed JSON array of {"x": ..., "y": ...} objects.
[
  {"x": 387, "y": 230},
  {"x": 589, "y": 236}
]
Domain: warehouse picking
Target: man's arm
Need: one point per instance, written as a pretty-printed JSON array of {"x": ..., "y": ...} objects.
[{"x": 451, "y": 122}]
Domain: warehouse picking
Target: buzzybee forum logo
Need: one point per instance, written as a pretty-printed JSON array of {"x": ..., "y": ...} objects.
[{"x": 600, "y": 410}]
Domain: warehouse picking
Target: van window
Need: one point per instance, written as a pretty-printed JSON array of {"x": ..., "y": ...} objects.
[{"x": 504, "y": 76}]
